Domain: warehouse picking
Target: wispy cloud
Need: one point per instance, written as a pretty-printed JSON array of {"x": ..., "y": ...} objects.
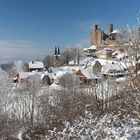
[{"x": 11, "y": 50}]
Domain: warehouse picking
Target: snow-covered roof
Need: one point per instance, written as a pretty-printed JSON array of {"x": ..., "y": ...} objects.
[
  {"x": 128, "y": 44},
  {"x": 114, "y": 66},
  {"x": 56, "y": 73},
  {"x": 108, "y": 49},
  {"x": 35, "y": 75},
  {"x": 88, "y": 73},
  {"x": 59, "y": 74},
  {"x": 23, "y": 75},
  {"x": 119, "y": 54},
  {"x": 36, "y": 65},
  {"x": 93, "y": 47},
  {"x": 118, "y": 65},
  {"x": 115, "y": 31},
  {"x": 72, "y": 62},
  {"x": 71, "y": 69},
  {"x": 86, "y": 60},
  {"x": 116, "y": 52},
  {"x": 101, "y": 61},
  {"x": 56, "y": 69}
]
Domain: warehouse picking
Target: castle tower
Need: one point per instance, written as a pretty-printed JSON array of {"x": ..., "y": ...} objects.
[
  {"x": 95, "y": 27},
  {"x": 93, "y": 35},
  {"x": 99, "y": 37},
  {"x": 110, "y": 28}
]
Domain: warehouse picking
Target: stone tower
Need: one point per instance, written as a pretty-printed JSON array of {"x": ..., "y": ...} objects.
[
  {"x": 95, "y": 34},
  {"x": 110, "y": 28},
  {"x": 99, "y": 37}
]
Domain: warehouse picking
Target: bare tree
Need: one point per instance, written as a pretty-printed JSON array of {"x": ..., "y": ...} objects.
[
  {"x": 6, "y": 100},
  {"x": 72, "y": 53},
  {"x": 48, "y": 60}
]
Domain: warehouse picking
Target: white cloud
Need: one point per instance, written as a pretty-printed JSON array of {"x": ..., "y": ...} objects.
[{"x": 11, "y": 50}]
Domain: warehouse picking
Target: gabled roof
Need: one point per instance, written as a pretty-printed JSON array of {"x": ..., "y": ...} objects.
[
  {"x": 115, "y": 31},
  {"x": 93, "y": 47},
  {"x": 114, "y": 66},
  {"x": 101, "y": 61},
  {"x": 23, "y": 75},
  {"x": 36, "y": 65},
  {"x": 87, "y": 73},
  {"x": 71, "y": 69},
  {"x": 111, "y": 65}
]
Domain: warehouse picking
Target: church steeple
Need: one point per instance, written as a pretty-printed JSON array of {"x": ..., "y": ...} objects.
[
  {"x": 57, "y": 56},
  {"x": 55, "y": 52},
  {"x": 58, "y": 51}
]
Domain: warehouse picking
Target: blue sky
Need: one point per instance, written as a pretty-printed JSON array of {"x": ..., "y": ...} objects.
[{"x": 30, "y": 29}]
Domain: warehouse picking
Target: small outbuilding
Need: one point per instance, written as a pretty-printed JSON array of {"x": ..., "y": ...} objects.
[{"x": 36, "y": 65}]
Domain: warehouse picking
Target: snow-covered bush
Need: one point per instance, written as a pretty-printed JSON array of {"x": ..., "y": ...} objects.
[{"x": 107, "y": 127}]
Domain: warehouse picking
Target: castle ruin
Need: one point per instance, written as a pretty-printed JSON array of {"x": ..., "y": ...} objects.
[{"x": 99, "y": 37}]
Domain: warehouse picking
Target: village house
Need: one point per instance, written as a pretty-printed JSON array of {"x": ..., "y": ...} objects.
[
  {"x": 109, "y": 67},
  {"x": 96, "y": 67},
  {"x": 105, "y": 53},
  {"x": 86, "y": 76},
  {"x": 20, "y": 77},
  {"x": 36, "y": 65},
  {"x": 91, "y": 51},
  {"x": 113, "y": 69},
  {"x": 34, "y": 76}
]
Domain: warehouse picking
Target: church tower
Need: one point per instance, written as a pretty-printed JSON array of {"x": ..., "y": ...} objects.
[
  {"x": 57, "y": 56},
  {"x": 58, "y": 51}
]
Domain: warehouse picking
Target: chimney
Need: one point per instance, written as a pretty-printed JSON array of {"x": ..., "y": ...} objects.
[{"x": 110, "y": 28}]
